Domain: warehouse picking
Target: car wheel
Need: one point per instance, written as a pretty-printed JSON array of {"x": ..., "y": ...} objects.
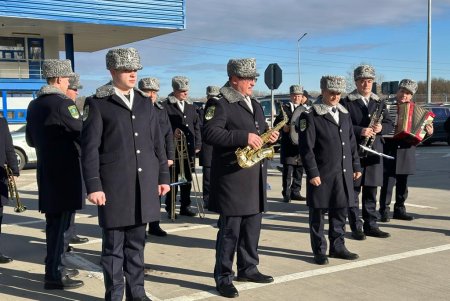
[{"x": 21, "y": 160}]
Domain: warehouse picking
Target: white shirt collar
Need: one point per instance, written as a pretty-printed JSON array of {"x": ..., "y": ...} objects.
[{"x": 128, "y": 103}]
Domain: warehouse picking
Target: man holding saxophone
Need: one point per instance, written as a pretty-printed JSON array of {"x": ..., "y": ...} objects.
[
  {"x": 237, "y": 194},
  {"x": 8, "y": 159}
]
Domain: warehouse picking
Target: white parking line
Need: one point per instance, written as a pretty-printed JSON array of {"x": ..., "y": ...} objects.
[
  {"x": 318, "y": 272},
  {"x": 422, "y": 207}
]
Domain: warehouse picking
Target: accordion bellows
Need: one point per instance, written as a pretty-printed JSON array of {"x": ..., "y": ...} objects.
[{"x": 411, "y": 121}]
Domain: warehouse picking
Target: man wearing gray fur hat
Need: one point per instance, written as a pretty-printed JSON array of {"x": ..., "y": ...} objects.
[
  {"x": 238, "y": 194},
  {"x": 53, "y": 128},
  {"x": 292, "y": 165},
  {"x": 125, "y": 171},
  {"x": 330, "y": 157},
  {"x": 70, "y": 235},
  {"x": 366, "y": 109},
  {"x": 184, "y": 120},
  {"x": 205, "y": 157},
  {"x": 396, "y": 171},
  {"x": 150, "y": 85},
  {"x": 8, "y": 159}
]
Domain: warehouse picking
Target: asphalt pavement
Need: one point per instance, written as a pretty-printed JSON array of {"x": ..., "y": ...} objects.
[{"x": 413, "y": 264}]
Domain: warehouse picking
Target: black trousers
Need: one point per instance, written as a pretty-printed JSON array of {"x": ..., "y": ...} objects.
[
  {"x": 237, "y": 234},
  {"x": 292, "y": 179},
  {"x": 369, "y": 212},
  {"x": 336, "y": 230},
  {"x": 1, "y": 218},
  {"x": 56, "y": 225},
  {"x": 70, "y": 231},
  {"x": 401, "y": 193},
  {"x": 185, "y": 189},
  {"x": 154, "y": 225},
  {"x": 206, "y": 181},
  {"x": 123, "y": 255}
]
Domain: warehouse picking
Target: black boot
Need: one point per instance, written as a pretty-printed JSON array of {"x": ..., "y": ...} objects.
[{"x": 62, "y": 284}]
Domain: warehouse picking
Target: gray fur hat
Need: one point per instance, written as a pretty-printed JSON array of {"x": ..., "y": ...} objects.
[
  {"x": 364, "y": 71},
  {"x": 180, "y": 83},
  {"x": 149, "y": 83},
  {"x": 123, "y": 59},
  {"x": 212, "y": 91},
  {"x": 242, "y": 68},
  {"x": 57, "y": 68},
  {"x": 333, "y": 83},
  {"x": 295, "y": 89},
  {"x": 74, "y": 82},
  {"x": 408, "y": 84}
]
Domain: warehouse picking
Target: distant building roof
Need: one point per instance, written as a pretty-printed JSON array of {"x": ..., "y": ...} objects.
[{"x": 95, "y": 25}]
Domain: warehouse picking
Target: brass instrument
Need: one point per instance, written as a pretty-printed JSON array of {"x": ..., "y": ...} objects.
[
  {"x": 247, "y": 156},
  {"x": 182, "y": 155},
  {"x": 376, "y": 118},
  {"x": 13, "y": 192}
]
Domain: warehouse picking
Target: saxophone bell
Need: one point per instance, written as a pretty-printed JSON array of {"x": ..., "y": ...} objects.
[{"x": 247, "y": 156}]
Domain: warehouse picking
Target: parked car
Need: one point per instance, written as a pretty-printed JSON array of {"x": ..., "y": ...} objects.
[
  {"x": 25, "y": 154},
  {"x": 442, "y": 112}
]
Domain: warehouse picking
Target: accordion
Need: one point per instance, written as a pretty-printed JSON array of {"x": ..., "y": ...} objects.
[{"x": 411, "y": 121}]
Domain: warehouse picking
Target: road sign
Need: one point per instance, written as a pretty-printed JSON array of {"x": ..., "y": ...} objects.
[{"x": 273, "y": 76}]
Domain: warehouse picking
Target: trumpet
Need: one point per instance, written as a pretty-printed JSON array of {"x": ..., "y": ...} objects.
[
  {"x": 13, "y": 192},
  {"x": 182, "y": 157}
]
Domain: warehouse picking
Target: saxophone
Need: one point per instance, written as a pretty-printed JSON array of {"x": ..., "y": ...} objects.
[
  {"x": 13, "y": 192},
  {"x": 247, "y": 156}
]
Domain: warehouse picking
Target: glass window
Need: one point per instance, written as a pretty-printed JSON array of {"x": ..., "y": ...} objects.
[{"x": 12, "y": 49}]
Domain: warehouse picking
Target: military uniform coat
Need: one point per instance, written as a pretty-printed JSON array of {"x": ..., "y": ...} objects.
[
  {"x": 187, "y": 121},
  {"x": 8, "y": 157},
  {"x": 289, "y": 151},
  {"x": 123, "y": 156},
  {"x": 328, "y": 150},
  {"x": 361, "y": 116},
  {"x": 234, "y": 191},
  {"x": 166, "y": 130},
  {"x": 53, "y": 129},
  {"x": 205, "y": 156}
]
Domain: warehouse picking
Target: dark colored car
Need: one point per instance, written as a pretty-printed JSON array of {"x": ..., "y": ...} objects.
[{"x": 439, "y": 134}]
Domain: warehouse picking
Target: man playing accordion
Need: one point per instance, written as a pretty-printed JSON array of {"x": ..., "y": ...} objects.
[{"x": 396, "y": 171}]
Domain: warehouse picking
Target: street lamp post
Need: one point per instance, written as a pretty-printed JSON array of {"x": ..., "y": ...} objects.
[{"x": 298, "y": 55}]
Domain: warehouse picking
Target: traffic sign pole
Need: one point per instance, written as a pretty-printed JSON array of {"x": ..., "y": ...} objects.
[{"x": 273, "y": 78}]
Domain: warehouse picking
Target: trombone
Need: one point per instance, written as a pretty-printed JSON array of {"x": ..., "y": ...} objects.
[
  {"x": 182, "y": 155},
  {"x": 13, "y": 192}
]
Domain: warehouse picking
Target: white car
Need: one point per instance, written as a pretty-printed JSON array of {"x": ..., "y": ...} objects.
[{"x": 25, "y": 154}]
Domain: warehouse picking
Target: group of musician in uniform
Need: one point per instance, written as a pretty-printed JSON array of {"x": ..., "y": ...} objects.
[
  {"x": 329, "y": 136},
  {"x": 119, "y": 149}
]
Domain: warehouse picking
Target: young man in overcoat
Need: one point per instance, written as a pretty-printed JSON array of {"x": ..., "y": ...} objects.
[
  {"x": 53, "y": 129},
  {"x": 330, "y": 157},
  {"x": 125, "y": 171}
]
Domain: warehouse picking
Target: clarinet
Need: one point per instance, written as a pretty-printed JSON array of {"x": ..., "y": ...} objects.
[{"x": 377, "y": 117}]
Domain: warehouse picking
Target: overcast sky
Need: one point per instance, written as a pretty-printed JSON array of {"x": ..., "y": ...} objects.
[{"x": 391, "y": 35}]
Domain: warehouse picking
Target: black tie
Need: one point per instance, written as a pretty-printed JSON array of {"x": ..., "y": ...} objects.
[
  {"x": 127, "y": 96},
  {"x": 333, "y": 110}
]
